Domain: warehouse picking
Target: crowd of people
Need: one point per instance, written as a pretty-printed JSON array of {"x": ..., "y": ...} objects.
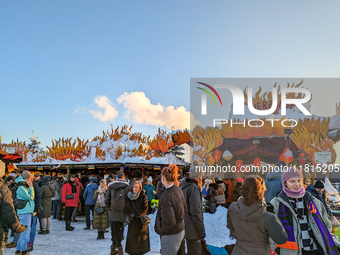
[{"x": 279, "y": 214}]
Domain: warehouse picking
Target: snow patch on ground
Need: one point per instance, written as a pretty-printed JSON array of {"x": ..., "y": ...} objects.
[{"x": 84, "y": 242}]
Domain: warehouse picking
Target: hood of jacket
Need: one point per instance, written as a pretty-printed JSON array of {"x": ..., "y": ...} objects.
[
  {"x": 214, "y": 186},
  {"x": 92, "y": 186},
  {"x": 118, "y": 185},
  {"x": 271, "y": 176},
  {"x": 19, "y": 179},
  {"x": 45, "y": 180},
  {"x": 187, "y": 182},
  {"x": 250, "y": 213}
]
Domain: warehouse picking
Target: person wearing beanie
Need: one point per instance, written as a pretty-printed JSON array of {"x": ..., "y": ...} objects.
[
  {"x": 89, "y": 201},
  {"x": 304, "y": 218},
  {"x": 150, "y": 192},
  {"x": 273, "y": 181},
  {"x": 318, "y": 192},
  {"x": 25, "y": 194}
]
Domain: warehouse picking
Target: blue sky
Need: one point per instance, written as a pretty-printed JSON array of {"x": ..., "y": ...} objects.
[{"x": 56, "y": 57}]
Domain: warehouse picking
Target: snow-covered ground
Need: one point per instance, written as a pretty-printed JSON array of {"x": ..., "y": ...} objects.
[{"x": 84, "y": 242}]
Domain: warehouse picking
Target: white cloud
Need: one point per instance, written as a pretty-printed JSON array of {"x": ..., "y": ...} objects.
[
  {"x": 81, "y": 109},
  {"x": 102, "y": 102},
  {"x": 142, "y": 111}
]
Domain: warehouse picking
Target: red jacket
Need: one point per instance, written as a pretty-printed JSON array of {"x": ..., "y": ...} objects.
[
  {"x": 81, "y": 187},
  {"x": 67, "y": 190},
  {"x": 230, "y": 192}
]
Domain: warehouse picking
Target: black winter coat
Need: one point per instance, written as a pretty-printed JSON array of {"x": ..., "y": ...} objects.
[
  {"x": 171, "y": 210},
  {"x": 137, "y": 239},
  {"x": 37, "y": 197},
  {"x": 193, "y": 218},
  {"x": 8, "y": 217},
  {"x": 212, "y": 193},
  {"x": 116, "y": 215}
]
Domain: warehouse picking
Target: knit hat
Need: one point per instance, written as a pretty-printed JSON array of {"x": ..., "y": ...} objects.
[
  {"x": 12, "y": 174},
  {"x": 319, "y": 184},
  {"x": 93, "y": 179},
  {"x": 37, "y": 175},
  {"x": 290, "y": 173},
  {"x": 150, "y": 179},
  {"x": 240, "y": 180},
  {"x": 54, "y": 178},
  {"x": 27, "y": 175}
]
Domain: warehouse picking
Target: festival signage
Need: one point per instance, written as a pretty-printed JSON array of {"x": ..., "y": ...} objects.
[
  {"x": 10, "y": 150},
  {"x": 63, "y": 149}
]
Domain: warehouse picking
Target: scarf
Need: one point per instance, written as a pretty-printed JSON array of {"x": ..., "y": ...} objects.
[
  {"x": 326, "y": 236},
  {"x": 294, "y": 194},
  {"x": 133, "y": 196},
  {"x": 73, "y": 186},
  {"x": 286, "y": 219},
  {"x": 101, "y": 197}
]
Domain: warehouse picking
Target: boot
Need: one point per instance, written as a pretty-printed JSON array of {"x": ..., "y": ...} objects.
[
  {"x": 113, "y": 250},
  {"x": 47, "y": 231},
  {"x": 29, "y": 247},
  {"x": 68, "y": 226},
  {"x": 99, "y": 235},
  {"x": 74, "y": 220},
  {"x": 42, "y": 232},
  {"x": 11, "y": 245},
  {"x": 120, "y": 250},
  {"x": 103, "y": 235},
  {"x": 25, "y": 253}
]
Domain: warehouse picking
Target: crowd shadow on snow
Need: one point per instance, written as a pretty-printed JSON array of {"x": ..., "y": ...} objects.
[{"x": 83, "y": 242}]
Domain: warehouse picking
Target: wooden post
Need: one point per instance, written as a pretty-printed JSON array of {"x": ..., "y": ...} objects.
[{"x": 68, "y": 169}]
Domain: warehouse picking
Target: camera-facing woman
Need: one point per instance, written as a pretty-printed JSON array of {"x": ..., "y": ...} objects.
[
  {"x": 137, "y": 239},
  {"x": 304, "y": 217}
]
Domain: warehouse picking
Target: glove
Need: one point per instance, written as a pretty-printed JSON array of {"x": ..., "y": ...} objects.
[
  {"x": 63, "y": 204},
  {"x": 38, "y": 210},
  {"x": 202, "y": 236},
  {"x": 21, "y": 229},
  {"x": 270, "y": 208}
]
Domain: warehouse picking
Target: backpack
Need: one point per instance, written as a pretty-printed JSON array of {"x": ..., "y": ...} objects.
[
  {"x": 118, "y": 199},
  {"x": 220, "y": 190},
  {"x": 15, "y": 188}
]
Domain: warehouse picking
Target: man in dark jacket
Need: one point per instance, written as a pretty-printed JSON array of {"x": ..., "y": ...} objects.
[
  {"x": 8, "y": 218},
  {"x": 89, "y": 201},
  {"x": 318, "y": 192},
  {"x": 193, "y": 218},
  {"x": 115, "y": 201}
]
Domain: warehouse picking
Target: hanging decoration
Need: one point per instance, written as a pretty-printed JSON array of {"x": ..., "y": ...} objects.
[
  {"x": 302, "y": 159},
  {"x": 216, "y": 155},
  {"x": 257, "y": 162},
  {"x": 287, "y": 156},
  {"x": 227, "y": 155}
]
